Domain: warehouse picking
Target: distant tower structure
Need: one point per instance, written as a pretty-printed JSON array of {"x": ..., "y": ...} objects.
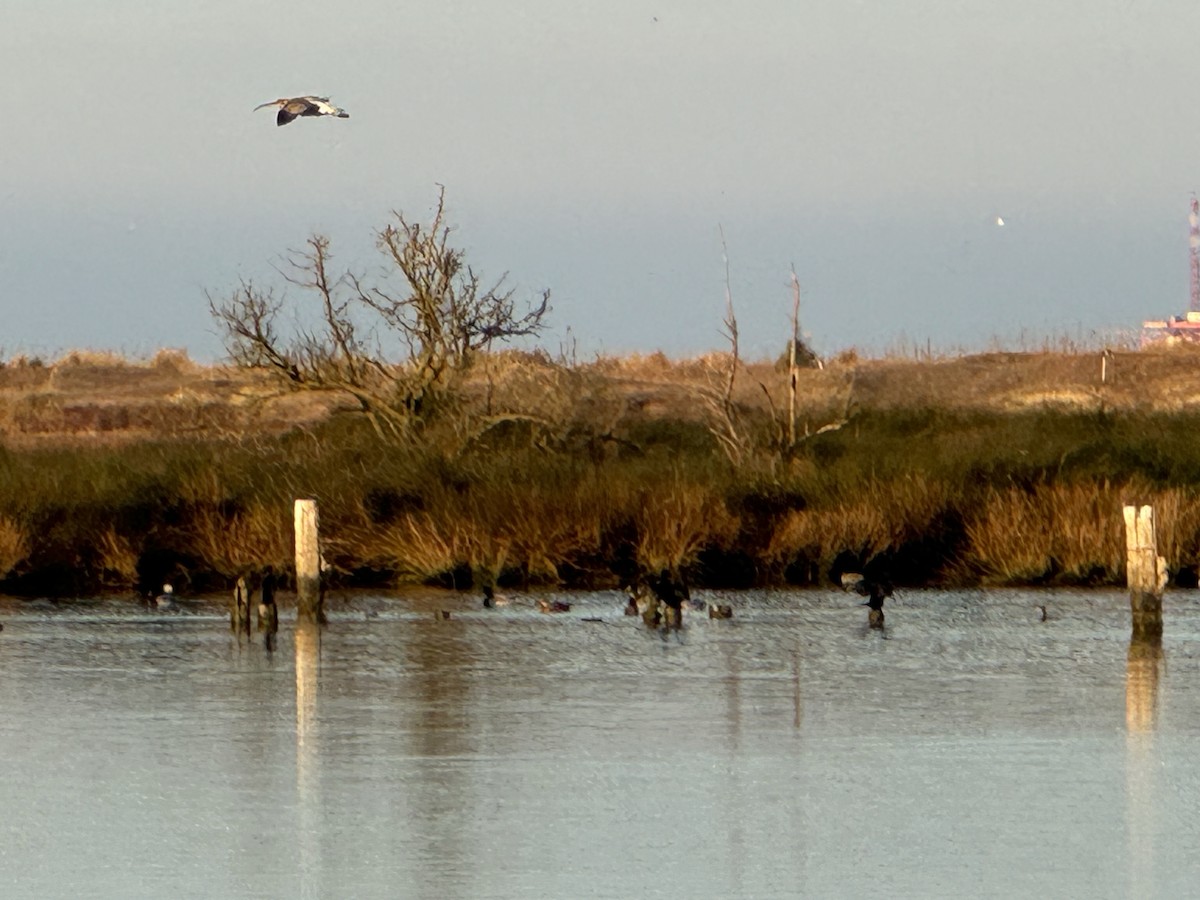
[
  {"x": 1186, "y": 327},
  {"x": 1194, "y": 252}
]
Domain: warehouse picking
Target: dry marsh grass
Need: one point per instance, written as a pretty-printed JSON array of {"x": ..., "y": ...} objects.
[
  {"x": 241, "y": 541},
  {"x": 1001, "y": 467},
  {"x": 875, "y": 518},
  {"x": 1023, "y": 535},
  {"x": 14, "y": 545},
  {"x": 1155, "y": 379},
  {"x": 118, "y": 557},
  {"x": 491, "y": 527},
  {"x": 1075, "y": 531},
  {"x": 678, "y": 520}
]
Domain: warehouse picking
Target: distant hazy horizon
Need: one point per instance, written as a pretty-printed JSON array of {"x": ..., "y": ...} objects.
[{"x": 596, "y": 151}]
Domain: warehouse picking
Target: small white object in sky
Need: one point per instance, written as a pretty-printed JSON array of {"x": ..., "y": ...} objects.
[{"x": 1000, "y": 221}]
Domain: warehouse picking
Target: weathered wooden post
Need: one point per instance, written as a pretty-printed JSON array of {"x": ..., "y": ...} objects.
[
  {"x": 308, "y": 563},
  {"x": 1145, "y": 573},
  {"x": 239, "y": 618}
]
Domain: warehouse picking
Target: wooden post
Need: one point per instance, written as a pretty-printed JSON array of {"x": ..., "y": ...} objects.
[
  {"x": 308, "y": 563},
  {"x": 239, "y": 618},
  {"x": 1145, "y": 573}
]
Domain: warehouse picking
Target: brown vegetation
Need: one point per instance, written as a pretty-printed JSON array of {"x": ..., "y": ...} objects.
[{"x": 1001, "y": 468}]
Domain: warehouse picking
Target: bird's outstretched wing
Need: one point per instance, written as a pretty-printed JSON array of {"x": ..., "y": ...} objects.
[{"x": 284, "y": 116}]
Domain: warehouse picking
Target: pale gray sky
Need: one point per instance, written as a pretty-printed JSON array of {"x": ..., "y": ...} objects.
[{"x": 595, "y": 148}]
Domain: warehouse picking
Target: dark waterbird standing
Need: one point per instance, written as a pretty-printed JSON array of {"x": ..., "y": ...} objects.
[
  {"x": 875, "y": 603},
  {"x": 631, "y": 605},
  {"x": 865, "y": 577},
  {"x": 268, "y": 612},
  {"x": 875, "y": 590},
  {"x": 672, "y": 593}
]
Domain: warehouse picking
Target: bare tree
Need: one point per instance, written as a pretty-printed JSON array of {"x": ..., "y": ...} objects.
[
  {"x": 443, "y": 312},
  {"x": 439, "y": 314},
  {"x": 723, "y": 416}
]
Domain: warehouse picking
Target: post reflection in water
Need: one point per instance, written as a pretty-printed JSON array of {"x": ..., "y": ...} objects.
[
  {"x": 1141, "y": 684},
  {"x": 735, "y": 843},
  {"x": 797, "y": 700},
  {"x": 1142, "y": 668},
  {"x": 438, "y": 653},
  {"x": 506, "y": 754},
  {"x": 308, "y": 793}
]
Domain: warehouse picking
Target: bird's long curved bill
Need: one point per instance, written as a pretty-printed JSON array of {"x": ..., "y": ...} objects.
[{"x": 268, "y": 103}]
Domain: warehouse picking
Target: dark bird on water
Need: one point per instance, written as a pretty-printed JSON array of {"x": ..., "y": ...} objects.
[
  {"x": 631, "y": 605},
  {"x": 720, "y": 611},
  {"x": 291, "y": 108},
  {"x": 875, "y": 615},
  {"x": 268, "y": 612},
  {"x": 672, "y": 593},
  {"x": 553, "y": 606},
  {"x": 491, "y": 599},
  {"x": 874, "y": 590}
]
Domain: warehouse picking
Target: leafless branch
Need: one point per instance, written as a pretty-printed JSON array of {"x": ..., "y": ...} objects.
[{"x": 441, "y": 316}]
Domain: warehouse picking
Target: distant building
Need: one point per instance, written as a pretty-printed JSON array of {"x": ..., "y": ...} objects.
[{"x": 1175, "y": 330}]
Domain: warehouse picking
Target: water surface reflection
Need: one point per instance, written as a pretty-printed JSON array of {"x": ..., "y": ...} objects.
[{"x": 971, "y": 750}]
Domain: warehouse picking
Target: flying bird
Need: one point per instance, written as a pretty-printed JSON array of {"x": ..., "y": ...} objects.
[{"x": 293, "y": 107}]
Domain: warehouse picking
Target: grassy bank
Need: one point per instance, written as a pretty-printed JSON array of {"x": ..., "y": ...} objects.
[{"x": 1005, "y": 469}]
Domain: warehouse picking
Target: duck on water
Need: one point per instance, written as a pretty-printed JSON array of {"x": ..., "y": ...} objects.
[
  {"x": 166, "y": 600},
  {"x": 492, "y": 600}
]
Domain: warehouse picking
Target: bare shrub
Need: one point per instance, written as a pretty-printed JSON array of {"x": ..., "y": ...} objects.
[{"x": 396, "y": 350}]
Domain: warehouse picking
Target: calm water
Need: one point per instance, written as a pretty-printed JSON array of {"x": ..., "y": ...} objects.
[{"x": 970, "y": 750}]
